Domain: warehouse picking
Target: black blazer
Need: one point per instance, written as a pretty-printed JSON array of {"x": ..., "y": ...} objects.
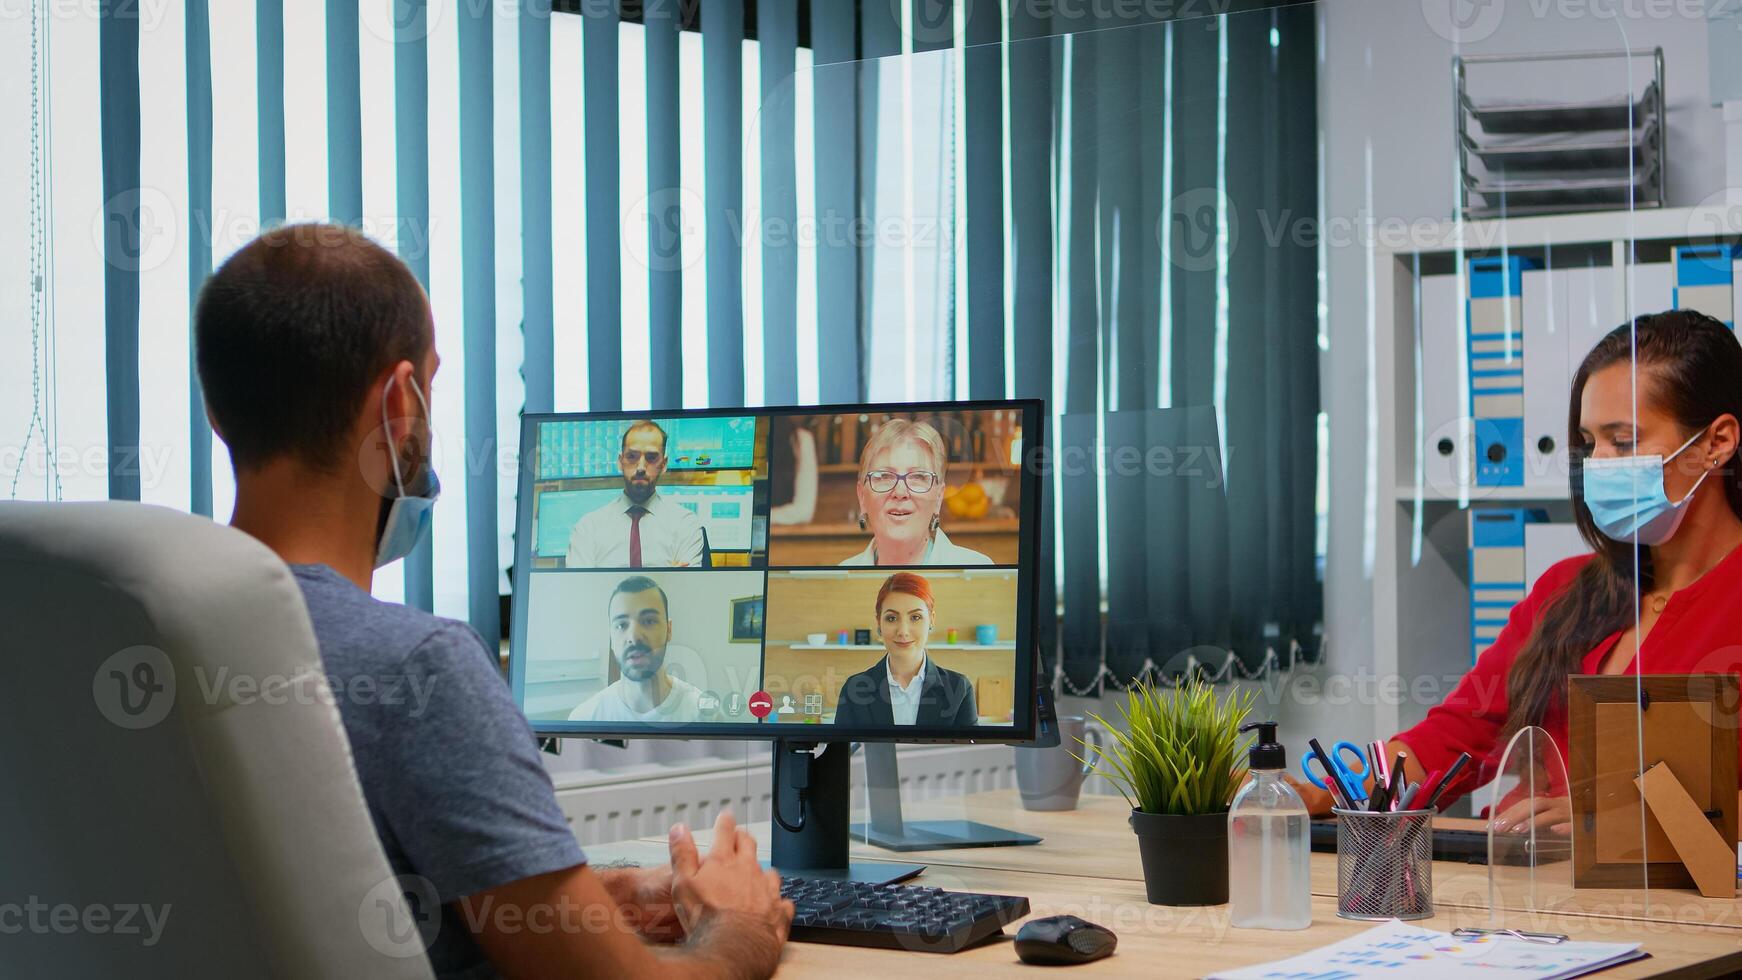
[{"x": 946, "y": 699}]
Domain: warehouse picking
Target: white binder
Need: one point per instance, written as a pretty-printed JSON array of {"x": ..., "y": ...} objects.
[
  {"x": 1652, "y": 286},
  {"x": 1445, "y": 436},
  {"x": 1566, "y": 311}
]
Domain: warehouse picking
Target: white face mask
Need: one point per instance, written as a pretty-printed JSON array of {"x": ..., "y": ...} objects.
[{"x": 408, "y": 516}]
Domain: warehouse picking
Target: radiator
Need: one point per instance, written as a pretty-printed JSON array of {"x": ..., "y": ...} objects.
[{"x": 607, "y": 808}]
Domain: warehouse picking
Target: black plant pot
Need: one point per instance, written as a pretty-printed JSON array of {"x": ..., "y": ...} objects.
[{"x": 1185, "y": 858}]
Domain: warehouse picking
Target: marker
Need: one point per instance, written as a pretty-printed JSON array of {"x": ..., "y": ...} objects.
[
  {"x": 1428, "y": 784},
  {"x": 1451, "y": 774}
]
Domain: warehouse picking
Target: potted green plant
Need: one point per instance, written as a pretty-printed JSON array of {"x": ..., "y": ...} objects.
[{"x": 1176, "y": 759}]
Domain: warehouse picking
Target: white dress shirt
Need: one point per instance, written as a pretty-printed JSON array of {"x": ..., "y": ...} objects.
[
  {"x": 682, "y": 704},
  {"x": 941, "y": 551},
  {"x": 904, "y": 701},
  {"x": 671, "y": 534}
]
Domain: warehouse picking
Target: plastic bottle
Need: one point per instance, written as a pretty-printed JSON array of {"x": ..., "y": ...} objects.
[{"x": 1269, "y": 844}]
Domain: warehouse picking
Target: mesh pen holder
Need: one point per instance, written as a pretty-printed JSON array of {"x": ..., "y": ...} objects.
[{"x": 1385, "y": 866}]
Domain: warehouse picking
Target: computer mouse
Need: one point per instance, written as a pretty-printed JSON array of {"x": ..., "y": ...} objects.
[{"x": 1063, "y": 940}]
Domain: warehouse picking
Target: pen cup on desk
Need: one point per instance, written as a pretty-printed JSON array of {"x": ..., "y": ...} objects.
[{"x": 1385, "y": 864}]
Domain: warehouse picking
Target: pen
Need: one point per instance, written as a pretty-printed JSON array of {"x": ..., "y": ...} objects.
[
  {"x": 1396, "y": 789},
  {"x": 1451, "y": 774},
  {"x": 1333, "y": 782},
  {"x": 1409, "y": 796}
]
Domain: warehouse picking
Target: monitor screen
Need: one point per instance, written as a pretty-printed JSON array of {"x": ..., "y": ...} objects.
[{"x": 840, "y": 573}]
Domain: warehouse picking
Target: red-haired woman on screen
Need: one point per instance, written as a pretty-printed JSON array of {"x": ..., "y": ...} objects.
[{"x": 905, "y": 687}]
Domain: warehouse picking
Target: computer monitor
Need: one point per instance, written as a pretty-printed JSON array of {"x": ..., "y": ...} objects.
[{"x": 835, "y": 574}]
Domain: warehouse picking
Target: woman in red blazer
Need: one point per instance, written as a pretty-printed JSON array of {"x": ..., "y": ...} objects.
[{"x": 1591, "y": 615}]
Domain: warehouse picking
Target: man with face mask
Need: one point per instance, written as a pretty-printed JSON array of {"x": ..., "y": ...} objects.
[
  {"x": 639, "y": 529},
  {"x": 640, "y": 627},
  {"x": 315, "y": 350}
]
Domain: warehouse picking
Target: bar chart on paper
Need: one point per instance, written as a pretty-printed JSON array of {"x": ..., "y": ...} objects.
[{"x": 1392, "y": 947}]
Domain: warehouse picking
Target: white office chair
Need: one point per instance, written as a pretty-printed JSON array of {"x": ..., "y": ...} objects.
[{"x": 241, "y": 814}]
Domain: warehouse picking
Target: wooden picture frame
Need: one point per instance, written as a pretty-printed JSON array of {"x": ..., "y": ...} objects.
[
  {"x": 1688, "y": 721},
  {"x": 747, "y": 619}
]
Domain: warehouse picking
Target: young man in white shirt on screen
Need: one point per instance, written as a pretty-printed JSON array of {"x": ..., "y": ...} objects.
[
  {"x": 640, "y": 529},
  {"x": 640, "y": 625}
]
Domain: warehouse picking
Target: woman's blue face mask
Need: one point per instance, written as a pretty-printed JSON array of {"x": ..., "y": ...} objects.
[{"x": 1627, "y": 500}]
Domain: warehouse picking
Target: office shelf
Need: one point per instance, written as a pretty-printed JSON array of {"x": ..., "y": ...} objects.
[{"x": 1533, "y": 155}]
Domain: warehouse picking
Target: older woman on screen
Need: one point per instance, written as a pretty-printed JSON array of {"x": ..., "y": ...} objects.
[
  {"x": 901, "y": 496},
  {"x": 905, "y": 687}
]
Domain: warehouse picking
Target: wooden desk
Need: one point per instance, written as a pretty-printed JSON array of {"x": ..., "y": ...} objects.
[{"x": 1088, "y": 866}]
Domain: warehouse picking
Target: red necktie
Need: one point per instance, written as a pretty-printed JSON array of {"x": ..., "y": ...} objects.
[{"x": 635, "y": 515}]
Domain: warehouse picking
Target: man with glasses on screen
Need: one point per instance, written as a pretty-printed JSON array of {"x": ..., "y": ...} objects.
[
  {"x": 316, "y": 352},
  {"x": 639, "y": 529},
  {"x": 640, "y": 625}
]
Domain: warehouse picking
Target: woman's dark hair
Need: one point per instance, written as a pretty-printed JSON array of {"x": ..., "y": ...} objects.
[{"x": 1690, "y": 366}]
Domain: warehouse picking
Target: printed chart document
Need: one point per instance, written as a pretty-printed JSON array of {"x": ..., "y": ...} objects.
[{"x": 1391, "y": 947}]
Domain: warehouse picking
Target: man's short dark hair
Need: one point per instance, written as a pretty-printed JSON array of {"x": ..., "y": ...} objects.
[
  {"x": 291, "y": 332},
  {"x": 642, "y": 424},
  {"x": 639, "y": 583}
]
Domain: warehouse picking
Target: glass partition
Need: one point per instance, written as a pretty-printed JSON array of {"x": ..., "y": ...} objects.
[{"x": 1311, "y": 317}]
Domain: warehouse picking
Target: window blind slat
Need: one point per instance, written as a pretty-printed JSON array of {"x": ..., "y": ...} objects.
[
  {"x": 777, "y": 37},
  {"x": 1031, "y": 59},
  {"x": 665, "y": 199},
  {"x": 344, "y": 114},
  {"x": 198, "y": 46},
  {"x": 538, "y": 326},
  {"x": 411, "y": 159},
  {"x": 834, "y": 100},
  {"x": 983, "y": 65},
  {"x": 118, "y": 78},
  {"x": 269, "y": 91},
  {"x": 478, "y": 286},
  {"x": 1079, "y": 510},
  {"x": 723, "y": 75},
  {"x": 603, "y": 180}
]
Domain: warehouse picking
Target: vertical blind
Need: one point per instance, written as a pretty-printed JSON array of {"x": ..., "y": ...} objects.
[{"x": 608, "y": 206}]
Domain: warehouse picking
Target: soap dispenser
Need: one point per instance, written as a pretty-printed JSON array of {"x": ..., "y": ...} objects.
[{"x": 1269, "y": 843}]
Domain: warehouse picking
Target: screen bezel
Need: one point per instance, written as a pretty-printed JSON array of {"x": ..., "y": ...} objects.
[{"x": 1021, "y": 729}]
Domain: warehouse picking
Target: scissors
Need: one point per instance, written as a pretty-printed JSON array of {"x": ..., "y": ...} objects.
[{"x": 1353, "y": 776}]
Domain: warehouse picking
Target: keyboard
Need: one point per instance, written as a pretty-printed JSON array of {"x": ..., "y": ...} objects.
[{"x": 912, "y": 917}]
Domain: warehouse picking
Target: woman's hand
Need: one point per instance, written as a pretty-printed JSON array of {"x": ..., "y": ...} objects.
[{"x": 1553, "y": 814}]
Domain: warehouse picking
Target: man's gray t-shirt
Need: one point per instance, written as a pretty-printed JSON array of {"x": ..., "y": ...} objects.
[{"x": 449, "y": 766}]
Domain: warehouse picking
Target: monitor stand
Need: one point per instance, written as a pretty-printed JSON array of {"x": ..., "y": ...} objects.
[
  {"x": 889, "y": 831},
  {"x": 812, "y": 841}
]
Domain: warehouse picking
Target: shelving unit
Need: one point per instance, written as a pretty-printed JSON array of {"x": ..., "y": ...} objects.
[{"x": 1421, "y": 575}]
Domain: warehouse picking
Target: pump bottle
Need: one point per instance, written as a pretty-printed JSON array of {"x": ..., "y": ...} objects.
[{"x": 1269, "y": 843}]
